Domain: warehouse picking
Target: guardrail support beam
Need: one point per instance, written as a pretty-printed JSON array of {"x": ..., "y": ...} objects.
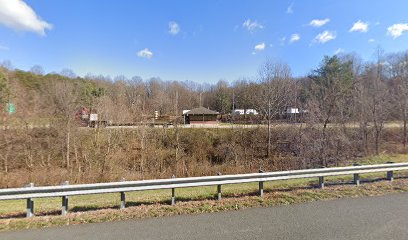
[
  {"x": 122, "y": 200},
  {"x": 64, "y": 208},
  {"x": 357, "y": 179},
  {"x": 261, "y": 185},
  {"x": 122, "y": 197},
  {"x": 30, "y": 204},
  {"x": 173, "y": 194},
  {"x": 261, "y": 189},
  {"x": 219, "y": 197},
  {"x": 219, "y": 189},
  {"x": 30, "y": 208},
  {"x": 321, "y": 182},
  {"x": 390, "y": 176}
]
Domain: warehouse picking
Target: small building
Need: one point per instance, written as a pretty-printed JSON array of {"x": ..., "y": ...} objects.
[
  {"x": 292, "y": 110},
  {"x": 248, "y": 111},
  {"x": 293, "y": 114},
  {"x": 200, "y": 115}
]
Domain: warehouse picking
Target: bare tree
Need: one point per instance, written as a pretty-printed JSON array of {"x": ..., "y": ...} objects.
[
  {"x": 399, "y": 86},
  {"x": 329, "y": 88},
  {"x": 275, "y": 90},
  {"x": 66, "y": 98},
  {"x": 37, "y": 69},
  {"x": 244, "y": 95}
]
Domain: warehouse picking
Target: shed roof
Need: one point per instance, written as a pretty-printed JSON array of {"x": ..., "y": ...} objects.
[{"x": 201, "y": 111}]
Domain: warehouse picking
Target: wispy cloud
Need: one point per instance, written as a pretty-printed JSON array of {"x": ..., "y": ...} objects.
[
  {"x": 260, "y": 47},
  {"x": 294, "y": 38},
  {"x": 397, "y": 30},
  {"x": 359, "y": 26},
  {"x": 252, "y": 25},
  {"x": 319, "y": 22},
  {"x": 325, "y": 37},
  {"x": 289, "y": 10},
  {"x": 17, "y": 15},
  {"x": 338, "y": 51},
  {"x": 371, "y": 40},
  {"x": 145, "y": 53},
  {"x": 174, "y": 28}
]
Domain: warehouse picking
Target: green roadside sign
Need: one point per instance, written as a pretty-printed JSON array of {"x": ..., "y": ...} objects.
[{"x": 11, "y": 108}]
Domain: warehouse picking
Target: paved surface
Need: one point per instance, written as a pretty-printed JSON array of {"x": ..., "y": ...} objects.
[{"x": 383, "y": 217}]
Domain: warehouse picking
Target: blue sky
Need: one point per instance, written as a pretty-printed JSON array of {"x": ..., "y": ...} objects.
[{"x": 202, "y": 41}]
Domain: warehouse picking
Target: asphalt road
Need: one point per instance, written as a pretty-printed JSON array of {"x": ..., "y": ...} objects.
[{"x": 382, "y": 218}]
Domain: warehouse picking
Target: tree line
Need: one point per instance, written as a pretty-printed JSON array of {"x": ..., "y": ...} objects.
[{"x": 347, "y": 103}]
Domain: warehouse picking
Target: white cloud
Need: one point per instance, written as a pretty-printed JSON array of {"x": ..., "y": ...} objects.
[
  {"x": 145, "y": 53},
  {"x": 397, "y": 30},
  {"x": 174, "y": 28},
  {"x": 4, "y": 48},
  {"x": 294, "y": 38},
  {"x": 252, "y": 25},
  {"x": 260, "y": 47},
  {"x": 319, "y": 22},
  {"x": 359, "y": 26},
  {"x": 325, "y": 36},
  {"x": 338, "y": 51},
  {"x": 16, "y": 14},
  {"x": 290, "y": 9},
  {"x": 371, "y": 40}
]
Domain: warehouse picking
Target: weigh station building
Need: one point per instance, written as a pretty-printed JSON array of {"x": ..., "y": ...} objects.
[{"x": 200, "y": 115}]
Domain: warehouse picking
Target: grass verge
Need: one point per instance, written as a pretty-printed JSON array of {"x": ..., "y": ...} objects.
[{"x": 104, "y": 207}]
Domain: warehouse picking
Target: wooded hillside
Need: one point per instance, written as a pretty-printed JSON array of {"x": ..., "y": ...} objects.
[{"x": 346, "y": 104}]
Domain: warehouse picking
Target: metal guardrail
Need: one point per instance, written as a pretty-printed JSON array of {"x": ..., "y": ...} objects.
[{"x": 66, "y": 190}]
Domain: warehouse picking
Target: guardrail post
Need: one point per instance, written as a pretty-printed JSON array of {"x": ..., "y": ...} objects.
[
  {"x": 173, "y": 194},
  {"x": 261, "y": 186},
  {"x": 357, "y": 179},
  {"x": 219, "y": 189},
  {"x": 321, "y": 182},
  {"x": 122, "y": 197},
  {"x": 64, "y": 209},
  {"x": 30, "y": 204},
  {"x": 356, "y": 176},
  {"x": 390, "y": 174}
]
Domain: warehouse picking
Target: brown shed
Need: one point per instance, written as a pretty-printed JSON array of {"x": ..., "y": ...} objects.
[{"x": 201, "y": 115}]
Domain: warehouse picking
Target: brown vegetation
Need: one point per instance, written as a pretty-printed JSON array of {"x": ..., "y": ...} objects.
[{"x": 340, "y": 92}]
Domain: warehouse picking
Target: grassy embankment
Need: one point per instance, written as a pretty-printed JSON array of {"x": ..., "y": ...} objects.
[{"x": 104, "y": 207}]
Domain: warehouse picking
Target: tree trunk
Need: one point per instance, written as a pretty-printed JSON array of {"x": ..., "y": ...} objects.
[
  {"x": 404, "y": 140},
  {"x": 5, "y": 162},
  {"x": 377, "y": 142},
  {"x": 177, "y": 151},
  {"x": 269, "y": 130},
  {"x": 68, "y": 145},
  {"x": 142, "y": 155},
  {"x": 365, "y": 133},
  {"x": 323, "y": 146}
]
